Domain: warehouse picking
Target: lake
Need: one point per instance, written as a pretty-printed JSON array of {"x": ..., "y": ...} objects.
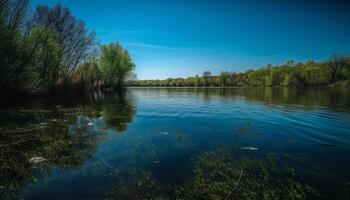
[{"x": 178, "y": 143}]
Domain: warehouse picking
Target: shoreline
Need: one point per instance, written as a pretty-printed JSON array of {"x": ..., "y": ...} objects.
[{"x": 18, "y": 95}]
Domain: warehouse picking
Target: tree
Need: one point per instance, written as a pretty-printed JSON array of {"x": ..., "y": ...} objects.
[
  {"x": 12, "y": 52},
  {"x": 46, "y": 56},
  {"x": 223, "y": 77},
  {"x": 39, "y": 49},
  {"x": 336, "y": 65},
  {"x": 197, "y": 81},
  {"x": 269, "y": 77},
  {"x": 76, "y": 40},
  {"x": 88, "y": 74},
  {"x": 115, "y": 65},
  {"x": 12, "y": 12},
  {"x": 206, "y": 77},
  {"x": 268, "y": 81},
  {"x": 286, "y": 81}
]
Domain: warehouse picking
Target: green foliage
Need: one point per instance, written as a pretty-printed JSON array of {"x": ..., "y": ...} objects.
[
  {"x": 46, "y": 56},
  {"x": 55, "y": 52},
  {"x": 268, "y": 81},
  {"x": 307, "y": 74},
  {"x": 115, "y": 64},
  {"x": 50, "y": 52},
  {"x": 207, "y": 78},
  {"x": 286, "y": 80},
  {"x": 10, "y": 53},
  {"x": 341, "y": 84},
  {"x": 88, "y": 74}
]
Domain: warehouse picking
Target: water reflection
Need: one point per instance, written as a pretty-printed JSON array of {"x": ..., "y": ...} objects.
[
  {"x": 118, "y": 111},
  {"x": 178, "y": 143},
  {"x": 65, "y": 133},
  {"x": 330, "y": 98}
]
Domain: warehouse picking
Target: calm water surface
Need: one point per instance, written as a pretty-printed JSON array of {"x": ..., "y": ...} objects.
[{"x": 178, "y": 144}]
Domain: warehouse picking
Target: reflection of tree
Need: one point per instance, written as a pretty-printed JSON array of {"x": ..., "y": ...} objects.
[
  {"x": 311, "y": 97},
  {"x": 63, "y": 133},
  {"x": 331, "y": 98},
  {"x": 118, "y": 111}
]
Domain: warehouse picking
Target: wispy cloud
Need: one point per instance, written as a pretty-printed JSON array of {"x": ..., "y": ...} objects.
[
  {"x": 159, "y": 55},
  {"x": 114, "y": 33},
  {"x": 149, "y": 45}
]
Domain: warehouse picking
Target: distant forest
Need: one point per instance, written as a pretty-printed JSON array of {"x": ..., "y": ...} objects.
[{"x": 334, "y": 72}]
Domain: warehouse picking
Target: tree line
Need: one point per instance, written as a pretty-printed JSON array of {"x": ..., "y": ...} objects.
[
  {"x": 335, "y": 72},
  {"x": 50, "y": 49}
]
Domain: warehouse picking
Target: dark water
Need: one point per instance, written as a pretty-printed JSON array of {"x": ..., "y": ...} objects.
[{"x": 178, "y": 144}]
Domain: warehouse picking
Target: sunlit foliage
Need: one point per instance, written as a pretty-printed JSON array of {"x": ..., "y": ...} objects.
[
  {"x": 308, "y": 74},
  {"x": 115, "y": 64},
  {"x": 51, "y": 50}
]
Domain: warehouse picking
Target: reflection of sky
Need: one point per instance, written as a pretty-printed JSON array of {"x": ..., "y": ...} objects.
[
  {"x": 183, "y": 38},
  {"x": 196, "y": 122}
]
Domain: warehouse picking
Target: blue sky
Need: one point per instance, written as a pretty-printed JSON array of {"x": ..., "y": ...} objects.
[{"x": 180, "y": 38}]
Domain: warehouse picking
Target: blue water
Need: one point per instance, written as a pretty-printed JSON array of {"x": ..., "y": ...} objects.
[{"x": 107, "y": 145}]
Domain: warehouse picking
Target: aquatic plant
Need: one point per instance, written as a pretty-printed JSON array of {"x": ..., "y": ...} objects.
[
  {"x": 61, "y": 135},
  {"x": 219, "y": 174}
]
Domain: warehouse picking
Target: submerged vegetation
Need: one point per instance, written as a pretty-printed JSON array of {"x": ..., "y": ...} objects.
[
  {"x": 58, "y": 136},
  {"x": 46, "y": 144},
  {"x": 334, "y": 72},
  {"x": 221, "y": 174},
  {"x": 49, "y": 49}
]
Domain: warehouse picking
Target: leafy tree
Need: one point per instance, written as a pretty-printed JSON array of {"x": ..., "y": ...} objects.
[
  {"x": 12, "y": 51},
  {"x": 197, "y": 81},
  {"x": 88, "y": 74},
  {"x": 206, "y": 77},
  {"x": 224, "y": 76},
  {"x": 335, "y": 68},
  {"x": 9, "y": 53},
  {"x": 76, "y": 40},
  {"x": 41, "y": 49},
  {"x": 46, "y": 56},
  {"x": 268, "y": 81},
  {"x": 115, "y": 65},
  {"x": 286, "y": 80}
]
